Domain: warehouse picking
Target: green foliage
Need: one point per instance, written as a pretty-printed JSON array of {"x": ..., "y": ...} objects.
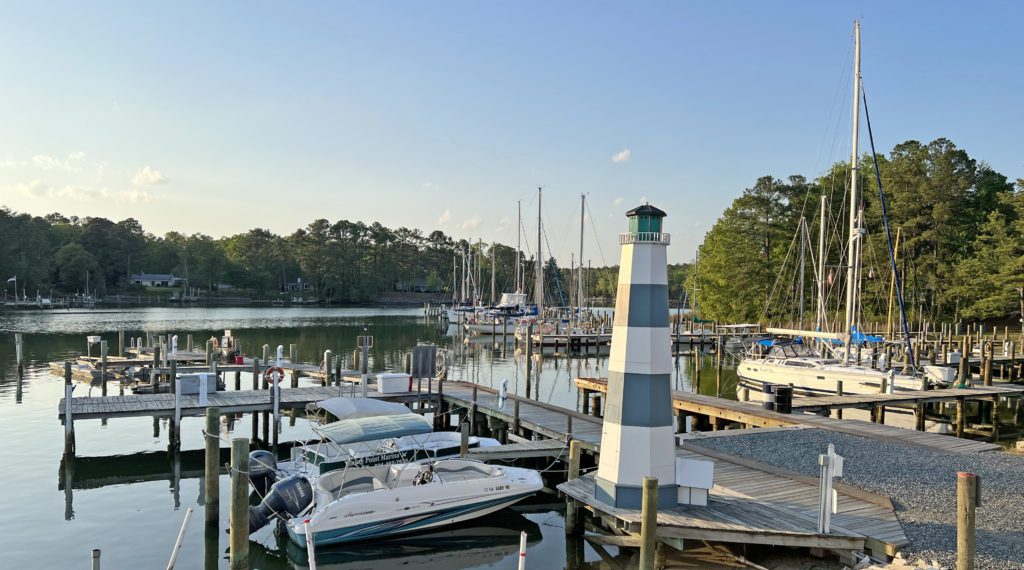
[{"x": 960, "y": 254}]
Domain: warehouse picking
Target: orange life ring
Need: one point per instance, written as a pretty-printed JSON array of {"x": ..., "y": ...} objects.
[{"x": 268, "y": 375}]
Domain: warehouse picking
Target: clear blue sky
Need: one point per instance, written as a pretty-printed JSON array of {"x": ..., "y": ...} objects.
[{"x": 219, "y": 117}]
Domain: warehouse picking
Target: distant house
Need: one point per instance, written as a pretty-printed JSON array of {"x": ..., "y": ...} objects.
[
  {"x": 416, "y": 286},
  {"x": 298, "y": 286},
  {"x": 157, "y": 279}
]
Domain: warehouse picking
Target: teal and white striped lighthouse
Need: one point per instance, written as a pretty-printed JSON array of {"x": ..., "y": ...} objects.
[{"x": 637, "y": 438}]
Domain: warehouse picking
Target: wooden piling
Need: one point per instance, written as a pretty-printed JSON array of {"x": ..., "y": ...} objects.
[
  {"x": 69, "y": 419},
  {"x": 120, "y": 342},
  {"x": 464, "y": 443},
  {"x": 156, "y": 366},
  {"x": 649, "y": 523},
  {"x": 989, "y": 355},
  {"x": 239, "y": 521},
  {"x": 966, "y": 501},
  {"x": 839, "y": 392},
  {"x": 209, "y": 352},
  {"x": 173, "y": 379},
  {"x": 961, "y": 416},
  {"x": 95, "y": 559},
  {"x": 529, "y": 356},
  {"x": 212, "y": 475},
  {"x": 572, "y": 515},
  {"x": 103, "y": 368}
]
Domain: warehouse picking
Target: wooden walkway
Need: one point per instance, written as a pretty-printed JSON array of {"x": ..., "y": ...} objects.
[
  {"x": 752, "y": 415},
  {"x": 754, "y": 503},
  {"x": 229, "y": 402},
  {"x": 867, "y": 401}
]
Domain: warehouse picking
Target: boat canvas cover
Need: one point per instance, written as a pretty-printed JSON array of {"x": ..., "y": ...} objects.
[
  {"x": 373, "y": 428},
  {"x": 353, "y": 408}
]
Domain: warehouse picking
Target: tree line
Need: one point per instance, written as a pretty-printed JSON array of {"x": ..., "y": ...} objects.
[
  {"x": 344, "y": 261},
  {"x": 956, "y": 224}
]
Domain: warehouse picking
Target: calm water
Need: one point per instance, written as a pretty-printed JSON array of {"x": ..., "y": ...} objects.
[{"x": 122, "y": 496}]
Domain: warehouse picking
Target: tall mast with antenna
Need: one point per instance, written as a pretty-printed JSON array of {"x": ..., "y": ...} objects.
[
  {"x": 853, "y": 247},
  {"x": 519, "y": 245},
  {"x": 579, "y": 279}
]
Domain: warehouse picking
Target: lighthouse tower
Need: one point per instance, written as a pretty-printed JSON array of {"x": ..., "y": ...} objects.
[{"x": 637, "y": 438}]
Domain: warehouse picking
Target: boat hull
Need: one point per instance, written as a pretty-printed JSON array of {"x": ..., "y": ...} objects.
[{"x": 406, "y": 523}]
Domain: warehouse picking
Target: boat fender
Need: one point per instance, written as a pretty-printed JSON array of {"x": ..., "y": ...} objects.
[{"x": 286, "y": 499}]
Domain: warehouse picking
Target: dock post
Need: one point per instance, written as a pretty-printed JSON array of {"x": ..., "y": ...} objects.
[
  {"x": 188, "y": 343},
  {"x": 156, "y": 366},
  {"x": 175, "y": 431},
  {"x": 839, "y": 392},
  {"x": 1013, "y": 361},
  {"x": 328, "y": 368},
  {"x": 966, "y": 501},
  {"x": 239, "y": 522},
  {"x": 19, "y": 350},
  {"x": 103, "y": 367},
  {"x": 989, "y": 351},
  {"x": 718, "y": 368},
  {"x": 120, "y": 343},
  {"x": 293, "y": 357},
  {"x": 255, "y": 386},
  {"x": 173, "y": 379},
  {"x": 586, "y": 401},
  {"x": 515, "y": 417},
  {"x": 960, "y": 416},
  {"x": 649, "y": 523},
  {"x": 212, "y": 475},
  {"x": 209, "y": 352},
  {"x": 573, "y": 524},
  {"x": 464, "y": 443},
  {"x": 919, "y": 410},
  {"x": 95, "y": 559},
  {"x": 69, "y": 419}
]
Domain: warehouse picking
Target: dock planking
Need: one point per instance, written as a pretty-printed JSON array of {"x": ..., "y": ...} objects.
[{"x": 753, "y": 415}]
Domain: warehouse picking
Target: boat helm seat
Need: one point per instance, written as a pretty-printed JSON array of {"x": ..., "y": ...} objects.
[{"x": 425, "y": 475}]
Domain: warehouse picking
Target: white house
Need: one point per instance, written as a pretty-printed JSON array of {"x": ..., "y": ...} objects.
[{"x": 157, "y": 279}]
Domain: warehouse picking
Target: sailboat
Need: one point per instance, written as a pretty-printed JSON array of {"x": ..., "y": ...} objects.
[{"x": 812, "y": 371}]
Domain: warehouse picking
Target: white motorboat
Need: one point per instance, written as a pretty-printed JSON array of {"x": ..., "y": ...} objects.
[
  {"x": 369, "y": 432},
  {"x": 373, "y": 502}
]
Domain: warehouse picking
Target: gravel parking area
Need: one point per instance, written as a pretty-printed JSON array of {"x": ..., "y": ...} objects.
[{"x": 921, "y": 483}]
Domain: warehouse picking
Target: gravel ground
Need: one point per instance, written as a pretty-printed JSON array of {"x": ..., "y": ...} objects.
[{"x": 921, "y": 483}]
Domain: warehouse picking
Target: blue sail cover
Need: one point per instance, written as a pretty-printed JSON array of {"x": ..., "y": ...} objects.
[
  {"x": 372, "y": 428},
  {"x": 860, "y": 338}
]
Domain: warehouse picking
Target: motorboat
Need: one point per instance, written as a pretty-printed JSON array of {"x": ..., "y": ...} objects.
[
  {"x": 360, "y": 432},
  {"x": 363, "y": 503}
]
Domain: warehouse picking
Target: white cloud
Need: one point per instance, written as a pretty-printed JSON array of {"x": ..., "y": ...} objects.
[
  {"x": 147, "y": 176},
  {"x": 618, "y": 201},
  {"x": 136, "y": 196},
  {"x": 445, "y": 219},
  {"x": 622, "y": 156},
  {"x": 470, "y": 224},
  {"x": 75, "y": 193}
]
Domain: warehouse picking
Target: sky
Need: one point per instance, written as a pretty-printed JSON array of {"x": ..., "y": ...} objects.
[{"x": 221, "y": 117}]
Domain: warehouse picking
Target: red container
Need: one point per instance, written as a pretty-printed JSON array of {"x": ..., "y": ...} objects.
[{"x": 239, "y": 359}]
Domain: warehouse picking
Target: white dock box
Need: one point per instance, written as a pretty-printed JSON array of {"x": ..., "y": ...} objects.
[
  {"x": 391, "y": 383},
  {"x": 188, "y": 384},
  {"x": 940, "y": 374}
]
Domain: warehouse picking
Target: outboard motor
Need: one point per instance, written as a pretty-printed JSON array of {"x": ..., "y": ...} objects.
[
  {"x": 287, "y": 498},
  {"x": 262, "y": 470}
]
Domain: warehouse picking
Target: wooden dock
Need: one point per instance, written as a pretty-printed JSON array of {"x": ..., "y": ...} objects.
[
  {"x": 723, "y": 410},
  {"x": 229, "y": 402}
]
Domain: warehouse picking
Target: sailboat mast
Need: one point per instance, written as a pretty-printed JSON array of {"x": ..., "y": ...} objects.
[
  {"x": 579, "y": 280},
  {"x": 493, "y": 300},
  {"x": 539, "y": 269},
  {"x": 853, "y": 255},
  {"x": 519, "y": 245},
  {"x": 803, "y": 256},
  {"x": 820, "y": 320}
]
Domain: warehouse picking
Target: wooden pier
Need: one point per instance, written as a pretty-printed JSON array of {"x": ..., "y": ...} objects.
[{"x": 720, "y": 410}]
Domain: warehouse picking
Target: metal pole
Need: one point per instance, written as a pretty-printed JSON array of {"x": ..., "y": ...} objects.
[
  {"x": 853, "y": 245},
  {"x": 181, "y": 537}
]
